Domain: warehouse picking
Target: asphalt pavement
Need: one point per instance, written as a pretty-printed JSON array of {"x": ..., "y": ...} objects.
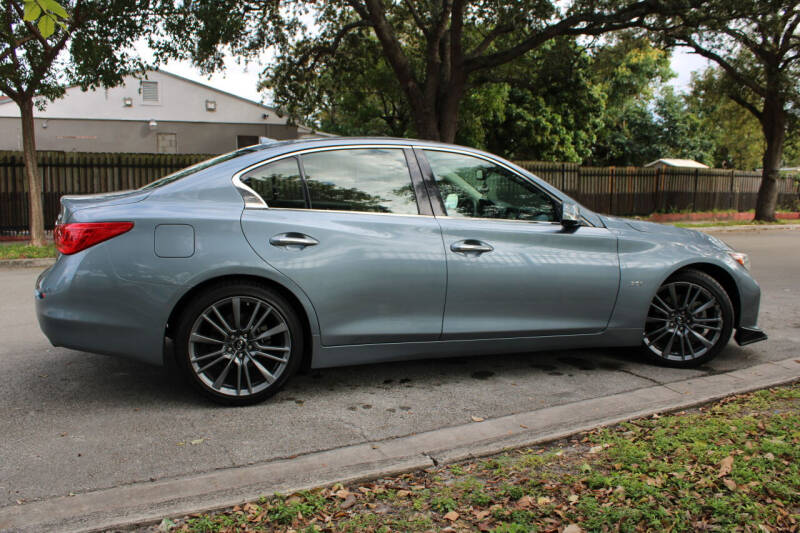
[{"x": 74, "y": 422}]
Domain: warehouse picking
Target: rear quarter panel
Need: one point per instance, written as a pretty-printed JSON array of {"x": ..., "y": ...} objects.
[{"x": 123, "y": 281}]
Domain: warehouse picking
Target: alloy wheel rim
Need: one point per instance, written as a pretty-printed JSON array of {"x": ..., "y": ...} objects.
[
  {"x": 684, "y": 322},
  {"x": 239, "y": 346}
]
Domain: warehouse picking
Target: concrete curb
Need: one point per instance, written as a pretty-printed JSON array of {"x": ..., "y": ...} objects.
[
  {"x": 149, "y": 501},
  {"x": 749, "y": 227},
  {"x": 43, "y": 262}
]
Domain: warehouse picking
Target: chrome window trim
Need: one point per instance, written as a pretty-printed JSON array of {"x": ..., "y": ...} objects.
[
  {"x": 302, "y": 210},
  {"x": 252, "y": 200}
]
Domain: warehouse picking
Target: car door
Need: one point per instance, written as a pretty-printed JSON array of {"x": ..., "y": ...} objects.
[
  {"x": 352, "y": 229},
  {"x": 512, "y": 269}
]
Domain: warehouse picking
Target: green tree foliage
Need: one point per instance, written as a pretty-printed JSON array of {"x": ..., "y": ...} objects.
[
  {"x": 736, "y": 133},
  {"x": 541, "y": 106},
  {"x": 756, "y": 43},
  {"x": 46, "y": 45},
  {"x": 629, "y": 71},
  {"x": 437, "y": 50}
]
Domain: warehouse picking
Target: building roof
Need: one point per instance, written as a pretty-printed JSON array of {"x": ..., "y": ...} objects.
[{"x": 685, "y": 163}]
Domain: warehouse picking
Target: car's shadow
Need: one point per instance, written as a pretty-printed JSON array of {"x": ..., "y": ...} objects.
[{"x": 85, "y": 380}]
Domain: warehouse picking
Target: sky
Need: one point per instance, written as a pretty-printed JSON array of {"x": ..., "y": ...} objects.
[{"x": 242, "y": 80}]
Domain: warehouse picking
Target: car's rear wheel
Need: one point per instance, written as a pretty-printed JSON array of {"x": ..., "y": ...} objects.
[
  {"x": 238, "y": 342},
  {"x": 689, "y": 321}
]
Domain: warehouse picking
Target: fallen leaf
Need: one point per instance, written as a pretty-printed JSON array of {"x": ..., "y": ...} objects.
[
  {"x": 725, "y": 466},
  {"x": 543, "y": 500},
  {"x": 595, "y": 449},
  {"x": 525, "y": 501},
  {"x": 452, "y": 516},
  {"x": 342, "y": 493},
  {"x": 769, "y": 456},
  {"x": 476, "y": 419},
  {"x": 729, "y": 483},
  {"x": 573, "y": 498},
  {"x": 573, "y": 528},
  {"x": 195, "y": 442},
  {"x": 403, "y": 493},
  {"x": 523, "y": 426},
  {"x": 480, "y": 515},
  {"x": 348, "y": 502}
]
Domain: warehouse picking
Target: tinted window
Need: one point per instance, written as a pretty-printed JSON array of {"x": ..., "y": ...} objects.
[
  {"x": 372, "y": 179},
  {"x": 473, "y": 187},
  {"x": 278, "y": 183},
  {"x": 188, "y": 171}
]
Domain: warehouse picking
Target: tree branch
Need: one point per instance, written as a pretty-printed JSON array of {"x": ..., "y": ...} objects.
[
  {"x": 495, "y": 32},
  {"x": 586, "y": 23},
  {"x": 14, "y": 46},
  {"x": 747, "y": 105},
  {"x": 319, "y": 51},
  {"x": 417, "y": 17},
  {"x": 726, "y": 66},
  {"x": 372, "y": 11},
  {"x": 31, "y": 27}
]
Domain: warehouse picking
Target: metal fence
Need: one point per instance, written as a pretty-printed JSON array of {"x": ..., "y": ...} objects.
[{"x": 617, "y": 191}]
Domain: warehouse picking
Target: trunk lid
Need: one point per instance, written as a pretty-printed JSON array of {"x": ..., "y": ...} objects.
[{"x": 72, "y": 203}]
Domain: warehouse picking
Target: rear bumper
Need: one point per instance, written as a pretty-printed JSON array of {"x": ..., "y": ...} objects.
[
  {"x": 745, "y": 336},
  {"x": 82, "y": 305}
]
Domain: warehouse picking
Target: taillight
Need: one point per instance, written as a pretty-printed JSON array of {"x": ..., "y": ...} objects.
[{"x": 72, "y": 238}]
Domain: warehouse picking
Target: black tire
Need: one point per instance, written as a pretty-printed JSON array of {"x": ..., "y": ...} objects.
[
  {"x": 240, "y": 346},
  {"x": 694, "y": 324}
]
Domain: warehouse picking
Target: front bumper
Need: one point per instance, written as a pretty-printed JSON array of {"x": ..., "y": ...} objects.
[{"x": 745, "y": 336}]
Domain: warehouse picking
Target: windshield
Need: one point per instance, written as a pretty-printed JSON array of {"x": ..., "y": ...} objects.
[{"x": 188, "y": 171}]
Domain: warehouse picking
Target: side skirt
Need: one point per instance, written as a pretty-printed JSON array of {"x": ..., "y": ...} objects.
[{"x": 332, "y": 356}]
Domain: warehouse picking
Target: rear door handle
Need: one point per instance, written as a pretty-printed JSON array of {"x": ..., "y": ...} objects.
[
  {"x": 293, "y": 239},
  {"x": 471, "y": 246}
]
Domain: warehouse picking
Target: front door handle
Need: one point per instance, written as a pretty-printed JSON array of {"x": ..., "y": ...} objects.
[
  {"x": 293, "y": 239},
  {"x": 471, "y": 246}
]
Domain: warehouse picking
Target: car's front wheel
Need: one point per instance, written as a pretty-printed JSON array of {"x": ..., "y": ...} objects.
[
  {"x": 689, "y": 321},
  {"x": 238, "y": 342}
]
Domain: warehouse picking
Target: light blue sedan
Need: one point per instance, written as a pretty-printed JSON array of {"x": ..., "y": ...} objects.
[{"x": 334, "y": 252}]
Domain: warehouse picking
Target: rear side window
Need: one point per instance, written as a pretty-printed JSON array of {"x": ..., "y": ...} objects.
[
  {"x": 279, "y": 184},
  {"x": 370, "y": 179}
]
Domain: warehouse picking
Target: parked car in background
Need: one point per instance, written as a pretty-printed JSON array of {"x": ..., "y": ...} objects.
[{"x": 360, "y": 250}]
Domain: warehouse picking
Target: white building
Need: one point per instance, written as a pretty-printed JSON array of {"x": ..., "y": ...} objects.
[
  {"x": 160, "y": 113},
  {"x": 675, "y": 163}
]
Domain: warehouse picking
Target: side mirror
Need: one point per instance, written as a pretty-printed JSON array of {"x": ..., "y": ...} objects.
[{"x": 570, "y": 215}]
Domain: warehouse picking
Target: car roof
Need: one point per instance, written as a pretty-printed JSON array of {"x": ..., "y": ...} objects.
[{"x": 300, "y": 144}]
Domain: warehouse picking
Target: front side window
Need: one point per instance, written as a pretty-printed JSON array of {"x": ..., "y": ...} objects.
[
  {"x": 279, "y": 184},
  {"x": 368, "y": 179},
  {"x": 474, "y": 187}
]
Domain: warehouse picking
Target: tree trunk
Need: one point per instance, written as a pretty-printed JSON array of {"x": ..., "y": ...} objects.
[
  {"x": 425, "y": 119},
  {"x": 774, "y": 125},
  {"x": 35, "y": 212},
  {"x": 448, "y": 111}
]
